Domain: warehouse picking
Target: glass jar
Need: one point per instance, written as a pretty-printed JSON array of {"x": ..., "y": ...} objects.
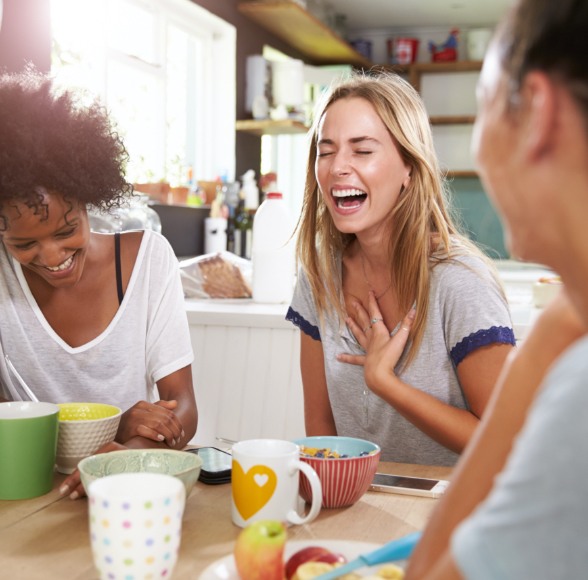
[{"x": 136, "y": 216}]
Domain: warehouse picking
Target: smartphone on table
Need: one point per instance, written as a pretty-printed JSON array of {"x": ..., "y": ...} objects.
[
  {"x": 216, "y": 465},
  {"x": 408, "y": 485}
]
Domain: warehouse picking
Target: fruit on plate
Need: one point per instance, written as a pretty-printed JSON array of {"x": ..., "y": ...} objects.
[
  {"x": 387, "y": 572},
  {"x": 259, "y": 551},
  {"x": 310, "y": 570},
  {"x": 311, "y": 554}
]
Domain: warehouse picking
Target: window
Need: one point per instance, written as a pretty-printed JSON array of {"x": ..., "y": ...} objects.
[{"x": 166, "y": 71}]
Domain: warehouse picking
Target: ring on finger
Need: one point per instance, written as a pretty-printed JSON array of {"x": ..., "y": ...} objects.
[{"x": 374, "y": 320}]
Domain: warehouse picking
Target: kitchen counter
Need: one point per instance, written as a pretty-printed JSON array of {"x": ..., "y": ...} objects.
[
  {"x": 237, "y": 312},
  {"x": 518, "y": 279}
]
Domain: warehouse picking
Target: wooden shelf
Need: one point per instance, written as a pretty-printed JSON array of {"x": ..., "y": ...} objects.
[
  {"x": 303, "y": 31},
  {"x": 269, "y": 127},
  {"x": 462, "y": 173},
  {"x": 452, "y": 120},
  {"x": 419, "y": 68}
]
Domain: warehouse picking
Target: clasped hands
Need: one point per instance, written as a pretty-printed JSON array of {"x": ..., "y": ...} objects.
[
  {"x": 155, "y": 421},
  {"x": 382, "y": 351}
]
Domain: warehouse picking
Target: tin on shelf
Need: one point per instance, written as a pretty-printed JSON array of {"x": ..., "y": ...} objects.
[
  {"x": 403, "y": 50},
  {"x": 363, "y": 47}
]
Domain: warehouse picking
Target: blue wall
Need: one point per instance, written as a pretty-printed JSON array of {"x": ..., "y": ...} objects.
[{"x": 477, "y": 216}]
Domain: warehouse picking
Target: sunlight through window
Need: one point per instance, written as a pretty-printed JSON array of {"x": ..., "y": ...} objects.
[{"x": 149, "y": 61}]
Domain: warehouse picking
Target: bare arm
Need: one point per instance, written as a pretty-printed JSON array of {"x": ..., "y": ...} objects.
[
  {"x": 170, "y": 421},
  {"x": 556, "y": 328},
  {"x": 448, "y": 425},
  {"x": 318, "y": 416}
]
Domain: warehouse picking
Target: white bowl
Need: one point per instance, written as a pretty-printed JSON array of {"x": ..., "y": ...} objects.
[{"x": 545, "y": 290}]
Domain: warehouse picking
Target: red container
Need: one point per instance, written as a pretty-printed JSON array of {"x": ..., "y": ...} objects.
[
  {"x": 403, "y": 50},
  {"x": 445, "y": 55},
  {"x": 345, "y": 479}
]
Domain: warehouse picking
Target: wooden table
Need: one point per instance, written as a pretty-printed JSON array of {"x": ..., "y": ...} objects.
[{"x": 47, "y": 537}]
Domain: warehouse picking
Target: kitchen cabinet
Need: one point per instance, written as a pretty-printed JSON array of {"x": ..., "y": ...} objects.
[{"x": 246, "y": 371}]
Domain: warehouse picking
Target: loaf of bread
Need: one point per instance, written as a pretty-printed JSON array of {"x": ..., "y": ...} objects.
[{"x": 221, "y": 279}]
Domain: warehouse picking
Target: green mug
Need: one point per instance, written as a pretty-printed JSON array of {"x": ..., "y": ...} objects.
[{"x": 28, "y": 444}]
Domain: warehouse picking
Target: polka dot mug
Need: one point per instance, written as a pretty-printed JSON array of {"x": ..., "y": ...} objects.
[{"x": 136, "y": 525}]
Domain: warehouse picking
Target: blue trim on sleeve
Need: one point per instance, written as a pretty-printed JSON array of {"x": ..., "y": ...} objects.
[
  {"x": 495, "y": 334},
  {"x": 303, "y": 324}
]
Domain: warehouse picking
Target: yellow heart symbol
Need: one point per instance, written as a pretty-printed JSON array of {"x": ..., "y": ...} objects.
[{"x": 252, "y": 490}]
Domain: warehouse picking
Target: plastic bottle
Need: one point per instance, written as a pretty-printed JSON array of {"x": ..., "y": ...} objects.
[
  {"x": 215, "y": 226},
  {"x": 273, "y": 254},
  {"x": 249, "y": 190}
]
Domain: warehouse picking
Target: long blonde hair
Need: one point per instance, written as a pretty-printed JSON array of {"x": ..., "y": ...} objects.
[{"x": 422, "y": 231}]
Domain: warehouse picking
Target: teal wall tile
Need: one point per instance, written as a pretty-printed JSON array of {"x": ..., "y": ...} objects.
[{"x": 476, "y": 215}]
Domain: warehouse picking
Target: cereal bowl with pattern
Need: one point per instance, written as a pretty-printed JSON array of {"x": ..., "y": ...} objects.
[
  {"x": 344, "y": 465},
  {"x": 83, "y": 429},
  {"x": 185, "y": 466}
]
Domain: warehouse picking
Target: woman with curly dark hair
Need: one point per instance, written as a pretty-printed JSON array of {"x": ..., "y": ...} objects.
[{"x": 85, "y": 316}]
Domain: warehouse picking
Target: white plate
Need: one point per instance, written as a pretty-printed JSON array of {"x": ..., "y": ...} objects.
[{"x": 224, "y": 569}]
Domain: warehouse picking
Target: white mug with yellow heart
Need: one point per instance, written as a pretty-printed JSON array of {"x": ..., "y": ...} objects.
[{"x": 265, "y": 480}]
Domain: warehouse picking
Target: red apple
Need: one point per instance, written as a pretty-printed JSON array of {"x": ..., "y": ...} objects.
[
  {"x": 259, "y": 551},
  {"x": 311, "y": 554}
]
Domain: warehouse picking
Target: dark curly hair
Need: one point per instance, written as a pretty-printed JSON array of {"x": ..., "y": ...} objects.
[{"x": 50, "y": 141}]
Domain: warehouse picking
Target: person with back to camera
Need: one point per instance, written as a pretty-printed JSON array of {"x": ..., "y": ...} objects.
[
  {"x": 375, "y": 238},
  {"x": 85, "y": 316},
  {"x": 517, "y": 508}
]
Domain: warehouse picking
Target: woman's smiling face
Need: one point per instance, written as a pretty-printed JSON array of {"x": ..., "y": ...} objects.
[
  {"x": 358, "y": 167},
  {"x": 51, "y": 243}
]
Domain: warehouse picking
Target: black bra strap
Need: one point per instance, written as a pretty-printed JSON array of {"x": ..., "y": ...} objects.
[{"x": 119, "y": 286}]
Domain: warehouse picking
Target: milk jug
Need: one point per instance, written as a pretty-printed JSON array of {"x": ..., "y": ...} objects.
[{"x": 273, "y": 255}]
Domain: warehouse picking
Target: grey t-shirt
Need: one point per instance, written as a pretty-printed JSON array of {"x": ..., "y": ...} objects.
[
  {"x": 534, "y": 523},
  {"x": 467, "y": 310},
  {"x": 147, "y": 339}
]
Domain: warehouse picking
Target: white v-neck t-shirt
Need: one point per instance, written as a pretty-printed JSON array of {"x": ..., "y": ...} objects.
[{"x": 148, "y": 338}]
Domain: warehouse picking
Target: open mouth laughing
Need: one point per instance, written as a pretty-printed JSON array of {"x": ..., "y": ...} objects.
[
  {"x": 349, "y": 198},
  {"x": 63, "y": 266}
]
